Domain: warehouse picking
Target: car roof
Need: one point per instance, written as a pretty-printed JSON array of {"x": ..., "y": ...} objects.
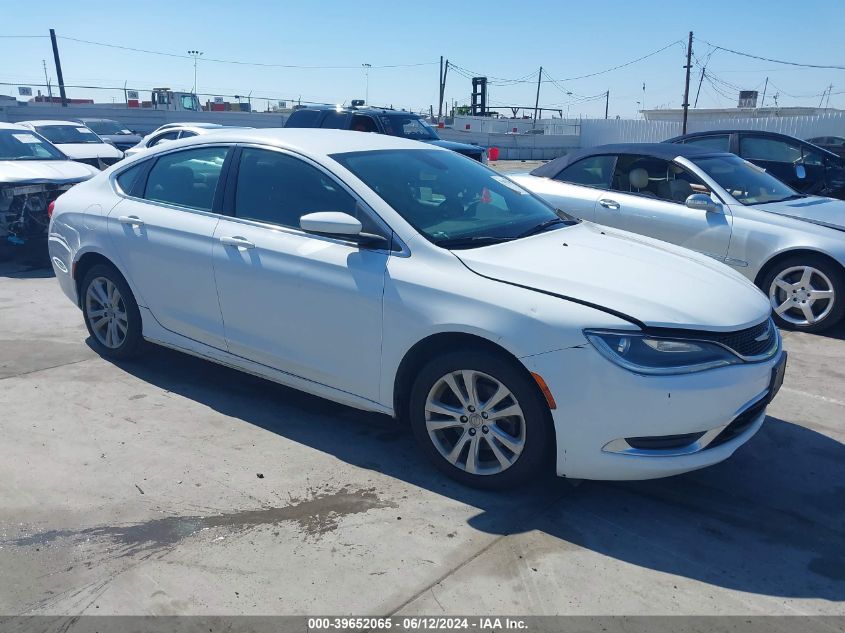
[
  {"x": 664, "y": 151},
  {"x": 307, "y": 141},
  {"x": 198, "y": 124},
  {"x": 50, "y": 122},
  {"x": 13, "y": 126},
  {"x": 774, "y": 135},
  {"x": 362, "y": 109}
]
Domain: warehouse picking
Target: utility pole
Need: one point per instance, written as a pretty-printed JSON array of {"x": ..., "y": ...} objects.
[
  {"x": 366, "y": 68},
  {"x": 686, "y": 84},
  {"x": 606, "y": 102},
  {"x": 537, "y": 100},
  {"x": 195, "y": 55},
  {"x": 700, "y": 80},
  {"x": 47, "y": 79},
  {"x": 58, "y": 67},
  {"x": 765, "y": 85},
  {"x": 444, "y": 69}
]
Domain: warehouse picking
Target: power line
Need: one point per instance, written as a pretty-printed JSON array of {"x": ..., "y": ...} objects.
[
  {"x": 240, "y": 63},
  {"x": 633, "y": 61},
  {"x": 775, "y": 61}
]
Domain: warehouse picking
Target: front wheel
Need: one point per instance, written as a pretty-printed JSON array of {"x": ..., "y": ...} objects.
[
  {"x": 481, "y": 419},
  {"x": 111, "y": 313},
  {"x": 806, "y": 293}
]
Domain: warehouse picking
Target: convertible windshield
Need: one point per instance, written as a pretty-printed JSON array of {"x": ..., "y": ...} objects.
[
  {"x": 107, "y": 126},
  {"x": 25, "y": 145},
  {"x": 452, "y": 200},
  {"x": 409, "y": 127},
  {"x": 67, "y": 134},
  {"x": 747, "y": 183}
]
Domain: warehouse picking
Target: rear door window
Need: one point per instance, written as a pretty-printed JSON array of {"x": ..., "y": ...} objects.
[
  {"x": 594, "y": 171},
  {"x": 187, "y": 178},
  {"x": 769, "y": 149},
  {"x": 335, "y": 120},
  {"x": 717, "y": 142},
  {"x": 167, "y": 136}
]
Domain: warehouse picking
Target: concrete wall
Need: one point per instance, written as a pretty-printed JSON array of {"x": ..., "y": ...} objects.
[
  {"x": 516, "y": 146},
  {"x": 143, "y": 120}
]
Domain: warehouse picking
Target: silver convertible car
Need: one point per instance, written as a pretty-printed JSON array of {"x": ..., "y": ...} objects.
[{"x": 790, "y": 245}]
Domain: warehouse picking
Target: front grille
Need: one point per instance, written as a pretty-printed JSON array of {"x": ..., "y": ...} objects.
[
  {"x": 740, "y": 424},
  {"x": 745, "y": 343}
]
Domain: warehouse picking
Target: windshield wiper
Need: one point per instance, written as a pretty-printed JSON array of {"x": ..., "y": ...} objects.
[
  {"x": 542, "y": 227},
  {"x": 471, "y": 242}
]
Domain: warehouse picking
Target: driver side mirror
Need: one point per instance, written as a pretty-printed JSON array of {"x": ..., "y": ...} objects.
[
  {"x": 703, "y": 202},
  {"x": 341, "y": 225}
]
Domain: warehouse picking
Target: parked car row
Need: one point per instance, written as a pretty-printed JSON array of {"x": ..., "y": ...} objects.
[{"x": 399, "y": 277}]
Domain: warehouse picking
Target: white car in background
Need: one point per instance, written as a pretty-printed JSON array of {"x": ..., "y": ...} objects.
[
  {"x": 175, "y": 131},
  {"x": 33, "y": 173},
  {"x": 77, "y": 141},
  {"x": 406, "y": 279}
]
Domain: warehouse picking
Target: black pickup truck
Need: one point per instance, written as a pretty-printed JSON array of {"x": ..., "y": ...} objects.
[{"x": 381, "y": 121}]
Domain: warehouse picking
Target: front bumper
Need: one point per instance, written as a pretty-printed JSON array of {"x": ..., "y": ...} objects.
[{"x": 609, "y": 422}]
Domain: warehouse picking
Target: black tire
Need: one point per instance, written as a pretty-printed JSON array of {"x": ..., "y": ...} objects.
[
  {"x": 132, "y": 342},
  {"x": 538, "y": 448},
  {"x": 834, "y": 274}
]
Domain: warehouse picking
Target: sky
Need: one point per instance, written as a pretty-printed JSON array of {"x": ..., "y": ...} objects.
[{"x": 403, "y": 42}]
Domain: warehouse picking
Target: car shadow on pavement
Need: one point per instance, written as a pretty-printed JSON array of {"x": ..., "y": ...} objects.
[
  {"x": 770, "y": 520},
  {"x": 32, "y": 266}
]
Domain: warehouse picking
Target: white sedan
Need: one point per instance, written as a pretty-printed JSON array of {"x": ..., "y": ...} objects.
[
  {"x": 405, "y": 279},
  {"x": 77, "y": 141}
]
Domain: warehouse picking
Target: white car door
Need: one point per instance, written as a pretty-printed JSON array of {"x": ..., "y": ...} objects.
[
  {"x": 162, "y": 233},
  {"x": 305, "y": 304},
  {"x": 648, "y": 197}
]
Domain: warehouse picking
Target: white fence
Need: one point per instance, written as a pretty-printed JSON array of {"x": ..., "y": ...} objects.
[{"x": 603, "y": 131}]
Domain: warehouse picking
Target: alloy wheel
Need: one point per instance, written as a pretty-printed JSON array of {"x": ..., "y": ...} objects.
[
  {"x": 802, "y": 295},
  {"x": 106, "y": 312},
  {"x": 475, "y": 422}
]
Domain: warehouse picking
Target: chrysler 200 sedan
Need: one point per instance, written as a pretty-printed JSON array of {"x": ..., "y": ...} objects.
[{"x": 406, "y": 279}]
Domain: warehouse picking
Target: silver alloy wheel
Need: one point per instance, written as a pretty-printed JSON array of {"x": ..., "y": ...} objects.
[
  {"x": 475, "y": 422},
  {"x": 802, "y": 295},
  {"x": 106, "y": 312}
]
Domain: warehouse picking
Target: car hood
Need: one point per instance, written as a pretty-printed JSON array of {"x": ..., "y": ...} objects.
[
  {"x": 651, "y": 282},
  {"x": 463, "y": 148},
  {"x": 90, "y": 150},
  {"x": 53, "y": 171},
  {"x": 815, "y": 209}
]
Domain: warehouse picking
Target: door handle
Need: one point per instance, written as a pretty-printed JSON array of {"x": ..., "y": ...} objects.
[
  {"x": 240, "y": 242},
  {"x": 132, "y": 220},
  {"x": 609, "y": 204}
]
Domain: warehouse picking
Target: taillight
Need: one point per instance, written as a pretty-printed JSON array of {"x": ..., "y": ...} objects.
[{"x": 50, "y": 208}]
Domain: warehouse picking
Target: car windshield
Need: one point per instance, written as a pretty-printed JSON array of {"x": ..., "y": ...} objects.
[
  {"x": 26, "y": 145},
  {"x": 411, "y": 127},
  {"x": 67, "y": 134},
  {"x": 747, "y": 183},
  {"x": 454, "y": 201},
  {"x": 106, "y": 126}
]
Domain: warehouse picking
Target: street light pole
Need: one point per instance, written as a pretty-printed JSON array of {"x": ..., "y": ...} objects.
[
  {"x": 195, "y": 55},
  {"x": 366, "y": 68}
]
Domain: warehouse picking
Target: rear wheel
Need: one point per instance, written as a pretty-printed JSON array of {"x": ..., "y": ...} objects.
[
  {"x": 806, "y": 293},
  {"x": 481, "y": 419},
  {"x": 111, "y": 313}
]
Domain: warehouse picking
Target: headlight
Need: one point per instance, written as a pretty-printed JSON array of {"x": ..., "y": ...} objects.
[{"x": 643, "y": 354}]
